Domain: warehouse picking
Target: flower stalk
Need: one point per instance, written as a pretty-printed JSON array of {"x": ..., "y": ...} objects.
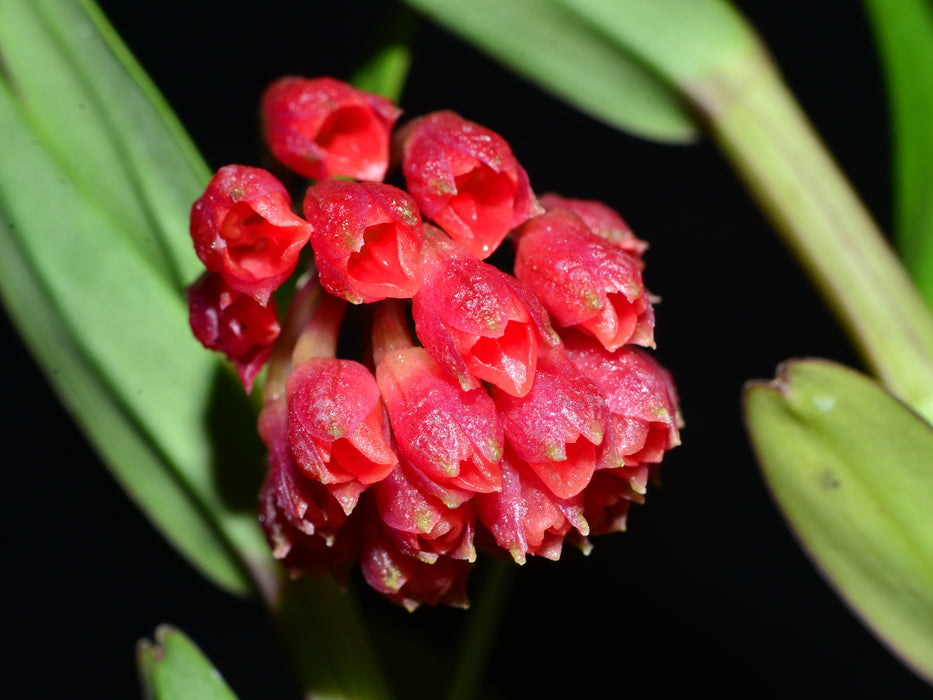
[{"x": 323, "y": 633}]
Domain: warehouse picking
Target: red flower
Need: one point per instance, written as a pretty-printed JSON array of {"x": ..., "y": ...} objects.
[
  {"x": 602, "y": 220},
  {"x": 526, "y": 517},
  {"x": 337, "y": 427},
  {"x": 485, "y": 431},
  {"x": 477, "y": 322},
  {"x": 418, "y": 523},
  {"x": 607, "y": 499},
  {"x": 305, "y": 525},
  {"x": 407, "y": 580},
  {"x": 641, "y": 398},
  {"x": 451, "y": 434},
  {"x": 366, "y": 239},
  {"x": 557, "y": 426},
  {"x": 244, "y": 229},
  {"x": 322, "y": 128},
  {"x": 303, "y": 502},
  {"x": 233, "y": 323},
  {"x": 465, "y": 179},
  {"x": 584, "y": 280}
]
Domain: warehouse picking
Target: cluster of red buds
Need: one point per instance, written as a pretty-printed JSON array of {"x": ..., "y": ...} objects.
[{"x": 463, "y": 420}]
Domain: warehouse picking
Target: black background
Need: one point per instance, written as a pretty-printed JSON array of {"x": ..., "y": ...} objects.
[{"x": 708, "y": 590}]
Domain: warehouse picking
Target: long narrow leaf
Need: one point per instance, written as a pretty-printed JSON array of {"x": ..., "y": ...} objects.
[
  {"x": 684, "y": 42},
  {"x": 551, "y": 46},
  {"x": 852, "y": 469},
  {"x": 91, "y": 271},
  {"x": 904, "y": 34}
]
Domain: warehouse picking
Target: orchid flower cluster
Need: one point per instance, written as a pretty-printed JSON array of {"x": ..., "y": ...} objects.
[{"x": 505, "y": 412}]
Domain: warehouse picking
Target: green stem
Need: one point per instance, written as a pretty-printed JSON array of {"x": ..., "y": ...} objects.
[
  {"x": 770, "y": 143},
  {"x": 485, "y": 614},
  {"x": 322, "y": 630}
]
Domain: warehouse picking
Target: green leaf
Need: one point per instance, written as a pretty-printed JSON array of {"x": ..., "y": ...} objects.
[
  {"x": 904, "y": 34},
  {"x": 683, "y": 42},
  {"x": 384, "y": 71},
  {"x": 174, "y": 668},
  {"x": 96, "y": 181},
  {"x": 549, "y": 44},
  {"x": 852, "y": 469}
]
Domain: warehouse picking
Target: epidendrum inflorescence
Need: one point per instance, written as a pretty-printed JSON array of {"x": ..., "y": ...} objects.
[{"x": 505, "y": 412}]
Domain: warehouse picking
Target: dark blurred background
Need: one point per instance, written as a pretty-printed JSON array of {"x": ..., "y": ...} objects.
[{"x": 707, "y": 591}]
